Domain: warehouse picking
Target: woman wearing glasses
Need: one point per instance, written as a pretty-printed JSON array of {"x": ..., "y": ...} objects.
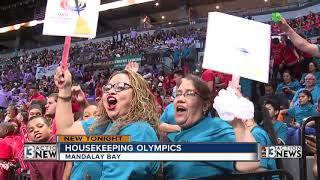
[
  {"x": 128, "y": 108},
  {"x": 191, "y": 110}
]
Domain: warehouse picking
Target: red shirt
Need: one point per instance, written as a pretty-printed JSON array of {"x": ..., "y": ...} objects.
[
  {"x": 16, "y": 142},
  {"x": 307, "y": 56},
  {"x": 277, "y": 51},
  {"x": 289, "y": 56},
  {"x": 24, "y": 132},
  {"x": 54, "y": 126},
  {"x": 75, "y": 107},
  {"x": 223, "y": 78},
  {"x": 50, "y": 170},
  {"x": 209, "y": 75},
  {"x": 38, "y": 97},
  {"x": 7, "y": 155}
]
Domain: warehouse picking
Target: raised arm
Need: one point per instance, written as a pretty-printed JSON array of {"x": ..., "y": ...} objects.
[
  {"x": 297, "y": 40},
  {"x": 64, "y": 115},
  {"x": 242, "y": 131}
]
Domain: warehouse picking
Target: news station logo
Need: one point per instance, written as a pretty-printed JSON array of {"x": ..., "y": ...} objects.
[
  {"x": 281, "y": 152},
  {"x": 40, "y": 152}
]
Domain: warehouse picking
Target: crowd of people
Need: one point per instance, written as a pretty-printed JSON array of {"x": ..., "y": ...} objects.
[
  {"x": 308, "y": 25},
  {"x": 152, "y": 106}
]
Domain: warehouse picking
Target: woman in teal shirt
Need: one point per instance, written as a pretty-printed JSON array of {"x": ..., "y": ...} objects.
[
  {"x": 191, "y": 111},
  {"x": 289, "y": 86},
  {"x": 304, "y": 109},
  {"x": 127, "y": 108}
]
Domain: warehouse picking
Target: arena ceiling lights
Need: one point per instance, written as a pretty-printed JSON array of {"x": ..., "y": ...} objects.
[
  {"x": 103, "y": 7},
  {"x": 122, "y": 3}
]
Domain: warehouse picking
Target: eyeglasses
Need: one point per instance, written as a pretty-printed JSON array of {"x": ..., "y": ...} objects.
[
  {"x": 188, "y": 93},
  {"x": 118, "y": 87}
]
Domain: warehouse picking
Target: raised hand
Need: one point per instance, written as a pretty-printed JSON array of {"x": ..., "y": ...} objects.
[
  {"x": 132, "y": 66},
  {"x": 78, "y": 94},
  {"x": 63, "y": 81},
  {"x": 283, "y": 25}
]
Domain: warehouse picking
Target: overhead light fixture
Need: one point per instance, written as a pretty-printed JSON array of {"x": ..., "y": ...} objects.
[
  {"x": 157, "y": 4},
  {"x": 217, "y": 7},
  {"x": 265, "y": 0},
  {"x": 162, "y": 17},
  {"x": 122, "y": 3},
  {"x": 169, "y": 23}
]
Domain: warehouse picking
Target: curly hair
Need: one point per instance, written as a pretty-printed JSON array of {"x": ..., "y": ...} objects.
[{"x": 142, "y": 108}]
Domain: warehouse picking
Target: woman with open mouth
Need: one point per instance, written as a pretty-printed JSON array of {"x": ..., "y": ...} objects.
[
  {"x": 191, "y": 112},
  {"x": 128, "y": 108}
]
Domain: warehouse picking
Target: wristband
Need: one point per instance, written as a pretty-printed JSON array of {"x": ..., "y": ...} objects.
[{"x": 68, "y": 98}]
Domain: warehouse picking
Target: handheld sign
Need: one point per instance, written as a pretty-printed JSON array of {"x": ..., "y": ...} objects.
[
  {"x": 276, "y": 17},
  {"x": 76, "y": 18},
  {"x": 237, "y": 46},
  {"x": 65, "y": 53}
]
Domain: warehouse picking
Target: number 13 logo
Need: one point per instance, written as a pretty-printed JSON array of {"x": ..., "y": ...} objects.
[{"x": 29, "y": 152}]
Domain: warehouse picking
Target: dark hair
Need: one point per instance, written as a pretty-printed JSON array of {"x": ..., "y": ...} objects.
[
  {"x": 289, "y": 44},
  {"x": 315, "y": 65},
  {"x": 308, "y": 93},
  {"x": 287, "y": 71},
  {"x": 274, "y": 103},
  {"x": 267, "y": 125},
  {"x": 46, "y": 121},
  {"x": 203, "y": 90},
  {"x": 36, "y": 106},
  {"x": 269, "y": 85},
  {"x": 276, "y": 40},
  {"x": 24, "y": 115},
  {"x": 179, "y": 72}
]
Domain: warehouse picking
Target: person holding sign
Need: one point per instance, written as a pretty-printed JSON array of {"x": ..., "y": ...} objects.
[
  {"x": 128, "y": 108},
  {"x": 297, "y": 40},
  {"x": 192, "y": 113}
]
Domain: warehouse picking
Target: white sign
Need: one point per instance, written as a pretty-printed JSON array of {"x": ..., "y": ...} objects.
[
  {"x": 71, "y": 18},
  {"x": 46, "y": 71},
  {"x": 237, "y": 46}
]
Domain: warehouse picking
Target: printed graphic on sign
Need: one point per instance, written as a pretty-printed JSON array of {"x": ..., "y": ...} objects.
[{"x": 77, "y": 18}]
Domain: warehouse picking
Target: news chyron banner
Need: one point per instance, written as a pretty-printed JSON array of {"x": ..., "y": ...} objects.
[{"x": 119, "y": 148}]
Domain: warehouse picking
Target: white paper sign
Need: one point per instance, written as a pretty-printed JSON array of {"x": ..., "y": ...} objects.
[
  {"x": 71, "y": 18},
  {"x": 237, "y": 46}
]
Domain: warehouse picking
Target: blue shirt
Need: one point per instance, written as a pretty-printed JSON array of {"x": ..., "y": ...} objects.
[
  {"x": 176, "y": 56},
  {"x": 300, "y": 112},
  {"x": 207, "y": 130},
  {"x": 168, "y": 117},
  {"x": 281, "y": 130},
  {"x": 185, "y": 52},
  {"x": 263, "y": 139},
  {"x": 140, "y": 131},
  {"x": 294, "y": 85},
  {"x": 316, "y": 74},
  {"x": 315, "y": 95}
]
